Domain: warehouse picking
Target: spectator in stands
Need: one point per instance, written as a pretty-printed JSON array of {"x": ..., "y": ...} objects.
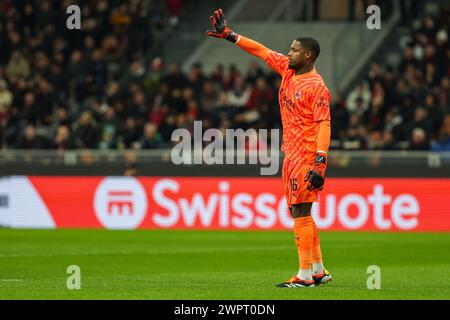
[
  {"x": 108, "y": 140},
  {"x": 210, "y": 98},
  {"x": 138, "y": 107},
  {"x": 177, "y": 102},
  {"x": 61, "y": 119},
  {"x": 130, "y": 133},
  {"x": 6, "y": 98},
  {"x": 166, "y": 128},
  {"x": 422, "y": 121},
  {"x": 340, "y": 117},
  {"x": 389, "y": 81},
  {"x": 393, "y": 124},
  {"x": 355, "y": 134},
  {"x": 239, "y": 94},
  {"x": 419, "y": 141},
  {"x": 407, "y": 108},
  {"x": 197, "y": 78},
  {"x": 375, "y": 74},
  {"x": 429, "y": 28},
  {"x": 224, "y": 107},
  {"x": 31, "y": 140},
  {"x": 175, "y": 79},
  {"x": 442, "y": 58},
  {"x": 218, "y": 75},
  {"x": 254, "y": 72},
  {"x": 153, "y": 77},
  {"x": 193, "y": 110},
  {"x": 388, "y": 142},
  {"x": 96, "y": 72},
  {"x": 377, "y": 95},
  {"x": 374, "y": 117},
  {"x": 443, "y": 94},
  {"x": 408, "y": 58},
  {"x": 86, "y": 132},
  {"x": 44, "y": 102},
  {"x": 151, "y": 138},
  {"x": 135, "y": 75},
  {"x": 375, "y": 140},
  {"x": 18, "y": 66},
  {"x": 442, "y": 143},
  {"x": 29, "y": 109},
  {"x": 60, "y": 82},
  {"x": 358, "y": 99},
  {"x": 230, "y": 78},
  {"x": 433, "y": 112},
  {"x": 261, "y": 95},
  {"x": 160, "y": 104},
  {"x": 64, "y": 139}
]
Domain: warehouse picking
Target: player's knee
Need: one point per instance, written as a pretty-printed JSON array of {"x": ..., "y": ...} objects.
[{"x": 301, "y": 210}]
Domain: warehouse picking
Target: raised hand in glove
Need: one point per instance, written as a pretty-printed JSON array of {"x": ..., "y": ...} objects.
[{"x": 220, "y": 27}]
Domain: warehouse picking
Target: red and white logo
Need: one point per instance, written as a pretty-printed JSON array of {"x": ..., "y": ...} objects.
[{"x": 120, "y": 203}]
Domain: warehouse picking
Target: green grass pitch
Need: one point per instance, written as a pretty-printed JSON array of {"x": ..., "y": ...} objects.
[{"x": 168, "y": 264}]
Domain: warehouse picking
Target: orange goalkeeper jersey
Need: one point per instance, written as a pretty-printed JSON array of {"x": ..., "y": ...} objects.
[{"x": 304, "y": 102}]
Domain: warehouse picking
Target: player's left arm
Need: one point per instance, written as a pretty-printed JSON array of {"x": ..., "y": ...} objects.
[
  {"x": 321, "y": 113},
  {"x": 273, "y": 59}
]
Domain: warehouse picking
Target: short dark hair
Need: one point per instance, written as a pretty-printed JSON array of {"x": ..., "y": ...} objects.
[{"x": 310, "y": 44}]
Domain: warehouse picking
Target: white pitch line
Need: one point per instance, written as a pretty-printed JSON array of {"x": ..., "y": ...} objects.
[
  {"x": 174, "y": 251},
  {"x": 11, "y": 280},
  {"x": 123, "y": 252}
]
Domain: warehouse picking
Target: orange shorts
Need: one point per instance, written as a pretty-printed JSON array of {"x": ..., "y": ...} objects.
[{"x": 295, "y": 190}]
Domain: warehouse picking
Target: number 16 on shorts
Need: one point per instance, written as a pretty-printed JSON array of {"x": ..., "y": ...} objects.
[{"x": 293, "y": 184}]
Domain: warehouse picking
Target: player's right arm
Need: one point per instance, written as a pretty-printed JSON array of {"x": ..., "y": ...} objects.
[{"x": 275, "y": 60}]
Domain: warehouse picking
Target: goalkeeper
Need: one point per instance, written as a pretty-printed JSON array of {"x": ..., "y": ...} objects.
[{"x": 305, "y": 114}]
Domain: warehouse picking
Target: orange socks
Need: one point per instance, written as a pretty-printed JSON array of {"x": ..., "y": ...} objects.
[
  {"x": 316, "y": 253},
  {"x": 304, "y": 238}
]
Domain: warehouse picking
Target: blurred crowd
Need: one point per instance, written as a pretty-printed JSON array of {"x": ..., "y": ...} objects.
[
  {"x": 87, "y": 88},
  {"x": 106, "y": 87},
  {"x": 405, "y": 106}
]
